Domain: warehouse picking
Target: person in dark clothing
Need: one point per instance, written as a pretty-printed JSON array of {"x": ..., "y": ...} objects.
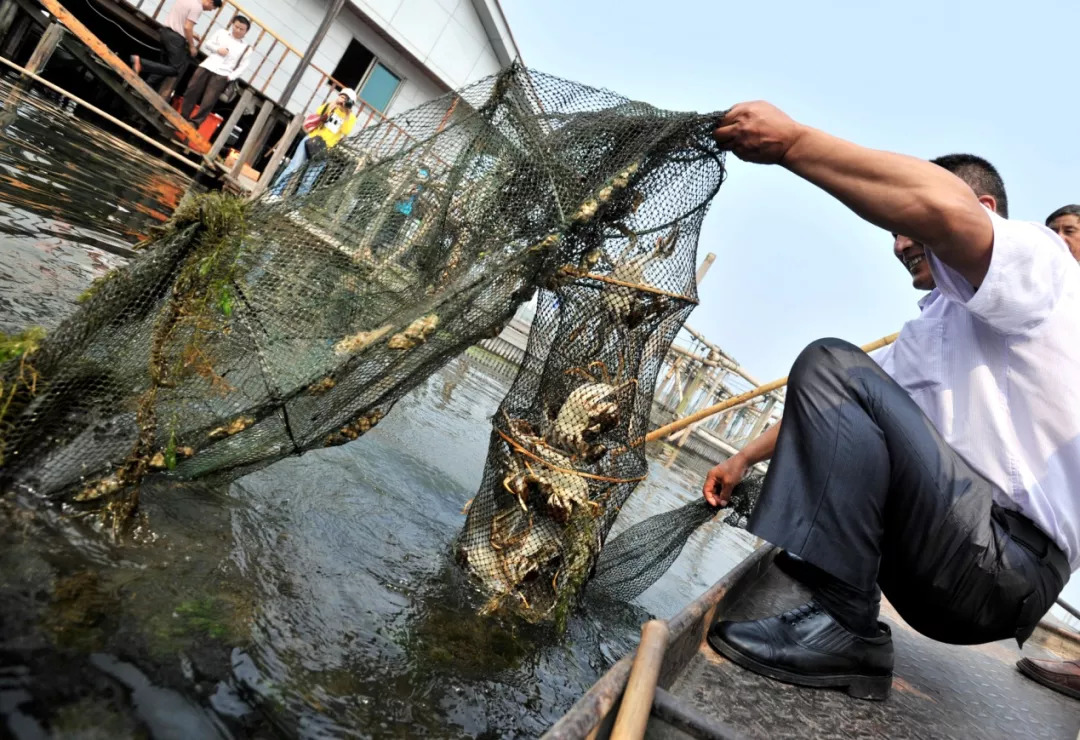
[
  {"x": 178, "y": 41},
  {"x": 938, "y": 474}
]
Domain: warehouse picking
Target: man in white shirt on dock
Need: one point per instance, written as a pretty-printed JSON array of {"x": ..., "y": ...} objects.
[
  {"x": 226, "y": 60},
  {"x": 945, "y": 480},
  {"x": 178, "y": 41}
]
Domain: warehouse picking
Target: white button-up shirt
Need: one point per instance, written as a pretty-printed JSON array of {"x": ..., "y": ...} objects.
[
  {"x": 231, "y": 65},
  {"x": 997, "y": 371}
]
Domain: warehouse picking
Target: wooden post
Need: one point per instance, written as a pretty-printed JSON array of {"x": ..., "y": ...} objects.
[
  {"x": 50, "y": 39},
  {"x": 691, "y": 390},
  {"x": 230, "y": 124},
  {"x": 705, "y": 265},
  {"x": 637, "y": 699},
  {"x": 320, "y": 33},
  {"x": 252, "y": 139},
  {"x": 763, "y": 417},
  {"x": 279, "y": 154},
  {"x": 8, "y": 11},
  {"x": 15, "y": 38}
]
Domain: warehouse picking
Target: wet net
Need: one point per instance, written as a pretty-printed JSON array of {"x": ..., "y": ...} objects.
[
  {"x": 567, "y": 445},
  {"x": 641, "y": 554},
  {"x": 246, "y": 332}
]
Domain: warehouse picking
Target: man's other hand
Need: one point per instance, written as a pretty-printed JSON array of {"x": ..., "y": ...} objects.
[{"x": 722, "y": 479}]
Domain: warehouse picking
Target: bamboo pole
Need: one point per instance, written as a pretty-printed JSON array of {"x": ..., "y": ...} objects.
[
  {"x": 736, "y": 400},
  {"x": 106, "y": 116},
  {"x": 637, "y": 699}
]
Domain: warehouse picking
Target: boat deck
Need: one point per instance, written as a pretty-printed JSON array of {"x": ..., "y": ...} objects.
[{"x": 938, "y": 690}]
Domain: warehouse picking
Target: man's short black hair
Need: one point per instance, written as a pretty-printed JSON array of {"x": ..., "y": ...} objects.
[
  {"x": 217, "y": 4},
  {"x": 982, "y": 176},
  {"x": 1070, "y": 210}
]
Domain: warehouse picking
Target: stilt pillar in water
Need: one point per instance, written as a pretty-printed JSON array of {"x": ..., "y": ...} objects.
[{"x": 50, "y": 39}]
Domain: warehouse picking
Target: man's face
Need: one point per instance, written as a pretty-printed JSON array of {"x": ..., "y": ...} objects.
[
  {"x": 207, "y": 4},
  {"x": 239, "y": 30},
  {"x": 914, "y": 258},
  {"x": 1068, "y": 228}
]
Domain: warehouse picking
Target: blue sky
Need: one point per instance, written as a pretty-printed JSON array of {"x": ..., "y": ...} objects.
[{"x": 994, "y": 78}]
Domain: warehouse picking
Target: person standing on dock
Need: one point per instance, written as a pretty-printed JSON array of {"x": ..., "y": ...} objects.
[
  {"x": 334, "y": 122},
  {"x": 226, "y": 62},
  {"x": 178, "y": 41},
  {"x": 944, "y": 479}
]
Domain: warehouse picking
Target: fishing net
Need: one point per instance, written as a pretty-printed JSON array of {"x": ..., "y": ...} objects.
[
  {"x": 640, "y": 555},
  {"x": 246, "y": 332},
  {"x": 567, "y": 445}
]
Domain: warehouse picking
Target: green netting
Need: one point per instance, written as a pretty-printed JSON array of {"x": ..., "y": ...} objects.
[{"x": 248, "y": 332}]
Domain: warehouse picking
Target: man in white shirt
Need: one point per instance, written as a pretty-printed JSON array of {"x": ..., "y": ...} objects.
[
  {"x": 178, "y": 41},
  {"x": 943, "y": 478},
  {"x": 226, "y": 60}
]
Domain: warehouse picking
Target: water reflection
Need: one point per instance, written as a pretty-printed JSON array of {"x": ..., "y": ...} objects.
[{"x": 71, "y": 199}]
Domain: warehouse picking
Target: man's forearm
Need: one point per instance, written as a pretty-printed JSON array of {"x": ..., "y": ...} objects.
[
  {"x": 902, "y": 194},
  {"x": 189, "y": 34},
  {"x": 761, "y": 447}
]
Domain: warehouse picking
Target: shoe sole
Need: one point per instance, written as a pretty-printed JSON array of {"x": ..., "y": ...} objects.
[
  {"x": 873, "y": 688},
  {"x": 1040, "y": 679}
]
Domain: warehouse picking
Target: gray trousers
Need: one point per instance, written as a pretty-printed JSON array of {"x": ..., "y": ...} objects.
[
  {"x": 863, "y": 487},
  {"x": 204, "y": 88}
]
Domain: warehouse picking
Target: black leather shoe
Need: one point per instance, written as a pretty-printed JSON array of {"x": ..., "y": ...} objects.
[{"x": 806, "y": 646}]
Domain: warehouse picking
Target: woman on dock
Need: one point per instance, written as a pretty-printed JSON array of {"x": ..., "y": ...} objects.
[
  {"x": 943, "y": 478},
  {"x": 335, "y": 122}
]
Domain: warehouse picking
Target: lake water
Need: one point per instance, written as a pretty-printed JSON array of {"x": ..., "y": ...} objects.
[{"x": 314, "y": 598}]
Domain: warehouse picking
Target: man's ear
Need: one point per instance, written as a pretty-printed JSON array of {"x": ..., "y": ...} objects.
[{"x": 989, "y": 201}]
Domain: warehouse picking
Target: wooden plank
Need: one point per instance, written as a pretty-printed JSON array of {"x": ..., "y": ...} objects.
[
  {"x": 8, "y": 11},
  {"x": 50, "y": 39},
  {"x": 279, "y": 154},
  {"x": 252, "y": 139},
  {"x": 237, "y": 113},
  {"x": 122, "y": 91},
  {"x": 641, "y": 686},
  {"x": 126, "y": 73}
]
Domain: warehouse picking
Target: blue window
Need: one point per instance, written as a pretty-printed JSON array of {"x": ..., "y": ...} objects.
[{"x": 379, "y": 88}]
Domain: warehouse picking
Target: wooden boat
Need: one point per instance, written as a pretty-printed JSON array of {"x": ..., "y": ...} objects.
[{"x": 938, "y": 690}]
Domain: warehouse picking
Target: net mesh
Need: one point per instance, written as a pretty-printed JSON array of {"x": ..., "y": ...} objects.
[{"x": 248, "y": 332}]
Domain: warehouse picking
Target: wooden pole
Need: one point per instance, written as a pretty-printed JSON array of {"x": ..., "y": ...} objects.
[
  {"x": 320, "y": 34},
  {"x": 106, "y": 116},
  {"x": 279, "y": 154},
  {"x": 637, "y": 699},
  {"x": 50, "y": 39},
  {"x": 234, "y": 118},
  {"x": 761, "y": 390},
  {"x": 252, "y": 139},
  {"x": 8, "y": 11},
  {"x": 705, "y": 265}
]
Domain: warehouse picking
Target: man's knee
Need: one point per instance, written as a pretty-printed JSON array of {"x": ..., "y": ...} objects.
[{"x": 825, "y": 359}]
